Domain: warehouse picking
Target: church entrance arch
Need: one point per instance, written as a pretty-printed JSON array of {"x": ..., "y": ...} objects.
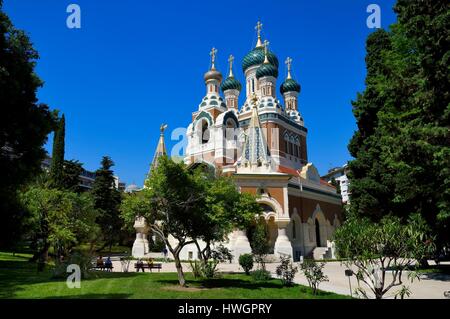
[{"x": 317, "y": 233}]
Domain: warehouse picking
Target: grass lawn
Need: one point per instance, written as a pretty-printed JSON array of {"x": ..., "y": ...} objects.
[{"x": 19, "y": 279}]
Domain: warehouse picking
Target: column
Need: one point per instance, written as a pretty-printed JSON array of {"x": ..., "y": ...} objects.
[
  {"x": 241, "y": 245},
  {"x": 283, "y": 245}
]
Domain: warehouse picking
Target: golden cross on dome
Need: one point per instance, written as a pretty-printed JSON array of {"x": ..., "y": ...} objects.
[
  {"x": 288, "y": 64},
  {"x": 213, "y": 57},
  {"x": 266, "y": 45},
  {"x": 258, "y": 29},
  {"x": 230, "y": 61}
]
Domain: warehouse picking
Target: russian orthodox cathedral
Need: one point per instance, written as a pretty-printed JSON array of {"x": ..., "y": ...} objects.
[{"x": 262, "y": 146}]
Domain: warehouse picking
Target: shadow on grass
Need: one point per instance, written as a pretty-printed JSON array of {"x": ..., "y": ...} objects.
[
  {"x": 225, "y": 283},
  {"x": 93, "y": 296},
  {"x": 15, "y": 274}
]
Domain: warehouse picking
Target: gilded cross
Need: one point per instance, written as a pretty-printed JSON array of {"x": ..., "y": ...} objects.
[
  {"x": 266, "y": 45},
  {"x": 288, "y": 64},
  {"x": 213, "y": 57},
  {"x": 258, "y": 28},
  {"x": 230, "y": 61}
]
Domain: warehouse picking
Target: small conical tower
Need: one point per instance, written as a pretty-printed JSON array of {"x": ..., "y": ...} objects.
[
  {"x": 255, "y": 155},
  {"x": 160, "y": 149},
  {"x": 231, "y": 88}
]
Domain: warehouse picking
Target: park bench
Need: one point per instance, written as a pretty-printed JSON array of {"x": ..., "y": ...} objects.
[
  {"x": 103, "y": 268},
  {"x": 148, "y": 266}
]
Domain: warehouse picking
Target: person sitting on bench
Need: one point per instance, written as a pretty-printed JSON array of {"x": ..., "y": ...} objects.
[
  {"x": 100, "y": 262},
  {"x": 140, "y": 265},
  {"x": 108, "y": 263}
]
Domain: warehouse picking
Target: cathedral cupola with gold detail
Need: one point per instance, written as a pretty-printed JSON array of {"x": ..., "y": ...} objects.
[
  {"x": 290, "y": 90},
  {"x": 267, "y": 74},
  {"x": 253, "y": 60},
  {"x": 213, "y": 79},
  {"x": 231, "y": 88}
]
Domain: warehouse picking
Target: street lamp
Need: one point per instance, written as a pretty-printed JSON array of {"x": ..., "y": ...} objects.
[{"x": 349, "y": 273}]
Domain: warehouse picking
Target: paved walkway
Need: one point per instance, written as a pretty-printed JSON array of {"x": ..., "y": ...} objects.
[{"x": 431, "y": 286}]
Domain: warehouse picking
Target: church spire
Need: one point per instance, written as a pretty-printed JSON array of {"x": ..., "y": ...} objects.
[
  {"x": 255, "y": 146},
  {"x": 160, "y": 149}
]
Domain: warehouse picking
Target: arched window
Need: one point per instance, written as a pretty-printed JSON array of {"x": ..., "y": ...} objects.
[
  {"x": 253, "y": 85},
  {"x": 205, "y": 132}
]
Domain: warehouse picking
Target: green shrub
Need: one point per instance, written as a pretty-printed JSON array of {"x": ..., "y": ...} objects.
[
  {"x": 261, "y": 275},
  {"x": 286, "y": 271},
  {"x": 209, "y": 269},
  {"x": 314, "y": 273},
  {"x": 196, "y": 267},
  {"x": 246, "y": 262}
]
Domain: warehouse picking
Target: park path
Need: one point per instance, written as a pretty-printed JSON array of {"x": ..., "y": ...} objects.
[{"x": 431, "y": 286}]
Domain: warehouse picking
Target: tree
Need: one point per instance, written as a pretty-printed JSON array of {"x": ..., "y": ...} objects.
[
  {"x": 246, "y": 262},
  {"x": 57, "y": 165},
  {"x": 260, "y": 243},
  {"x": 71, "y": 175},
  {"x": 376, "y": 248},
  {"x": 226, "y": 209},
  {"x": 313, "y": 272},
  {"x": 336, "y": 184},
  {"x": 24, "y": 124},
  {"x": 402, "y": 146},
  {"x": 107, "y": 200},
  {"x": 286, "y": 271},
  {"x": 58, "y": 219},
  {"x": 173, "y": 204}
]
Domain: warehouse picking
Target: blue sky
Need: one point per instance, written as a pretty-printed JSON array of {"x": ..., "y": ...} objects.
[{"x": 136, "y": 64}]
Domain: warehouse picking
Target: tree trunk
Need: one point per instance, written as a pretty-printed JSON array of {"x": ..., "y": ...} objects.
[
  {"x": 378, "y": 293},
  {"x": 180, "y": 273},
  {"x": 43, "y": 256}
]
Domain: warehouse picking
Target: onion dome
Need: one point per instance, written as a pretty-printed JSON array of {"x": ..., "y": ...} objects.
[
  {"x": 266, "y": 69},
  {"x": 231, "y": 84},
  {"x": 289, "y": 85},
  {"x": 213, "y": 74},
  {"x": 256, "y": 57}
]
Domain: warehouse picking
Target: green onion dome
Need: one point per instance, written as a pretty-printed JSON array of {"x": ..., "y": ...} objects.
[
  {"x": 256, "y": 57},
  {"x": 231, "y": 83},
  {"x": 266, "y": 69},
  {"x": 289, "y": 85}
]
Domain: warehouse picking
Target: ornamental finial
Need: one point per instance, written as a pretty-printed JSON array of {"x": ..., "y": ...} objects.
[
  {"x": 162, "y": 128},
  {"x": 288, "y": 64},
  {"x": 230, "y": 61},
  {"x": 266, "y": 45},
  {"x": 213, "y": 58},
  {"x": 258, "y": 29}
]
